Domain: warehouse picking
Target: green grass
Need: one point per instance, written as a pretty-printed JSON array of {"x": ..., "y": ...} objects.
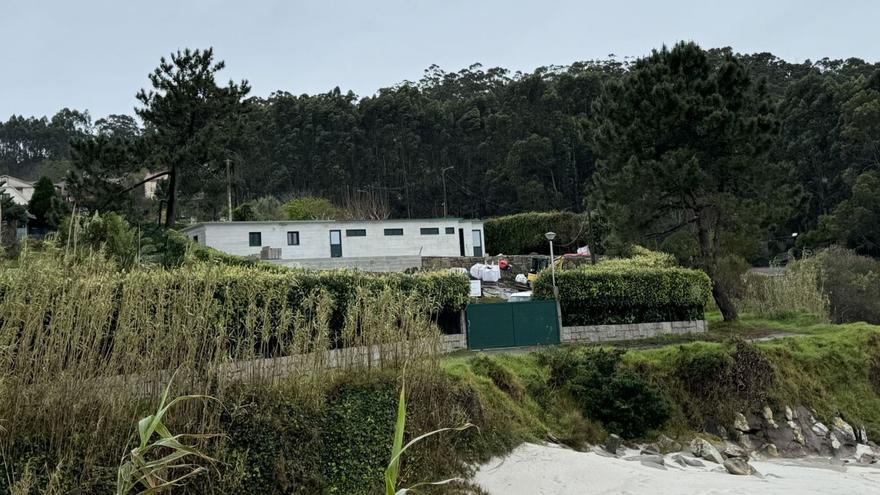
[{"x": 823, "y": 366}]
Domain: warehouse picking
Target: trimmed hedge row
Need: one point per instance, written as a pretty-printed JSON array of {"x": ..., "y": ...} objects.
[
  {"x": 620, "y": 293},
  {"x": 523, "y": 233}
]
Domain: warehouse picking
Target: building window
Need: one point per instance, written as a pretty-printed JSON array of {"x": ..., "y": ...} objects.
[
  {"x": 255, "y": 239},
  {"x": 429, "y": 231},
  {"x": 450, "y": 230},
  {"x": 196, "y": 239},
  {"x": 393, "y": 231},
  {"x": 356, "y": 233},
  {"x": 293, "y": 238}
]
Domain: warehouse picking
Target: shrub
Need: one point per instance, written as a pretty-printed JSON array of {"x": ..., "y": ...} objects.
[
  {"x": 626, "y": 292},
  {"x": 358, "y": 427},
  {"x": 311, "y": 208},
  {"x": 619, "y": 399},
  {"x": 523, "y": 233},
  {"x": 274, "y": 436},
  {"x": 851, "y": 282}
]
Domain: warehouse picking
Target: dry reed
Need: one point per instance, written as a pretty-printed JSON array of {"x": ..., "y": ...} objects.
[
  {"x": 85, "y": 348},
  {"x": 797, "y": 289}
]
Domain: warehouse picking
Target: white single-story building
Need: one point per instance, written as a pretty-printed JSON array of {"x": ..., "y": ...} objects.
[{"x": 316, "y": 240}]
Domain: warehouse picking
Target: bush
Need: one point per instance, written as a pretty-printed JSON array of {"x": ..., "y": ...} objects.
[
  {"x": 358, "y": 429},
  {"x": 311, "y": 208},
  {"x": 524, "y": 233},
  {"x": 619, "y": 399},
  {"x": 851, "y": 282},
  {"x": 626, "y": 292},
  {"x": 273, "y": 441}
]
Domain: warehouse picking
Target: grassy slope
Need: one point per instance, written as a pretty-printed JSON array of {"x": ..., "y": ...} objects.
[{"x": 823, "y": 366}]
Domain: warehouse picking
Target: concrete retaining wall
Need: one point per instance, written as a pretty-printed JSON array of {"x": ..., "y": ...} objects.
[
  {"x": 634, "y": 331},
  {"x": 454, "y": 342}
]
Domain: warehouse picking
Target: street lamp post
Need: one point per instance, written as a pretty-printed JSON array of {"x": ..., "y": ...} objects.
[{"x": 550, "y": 236}]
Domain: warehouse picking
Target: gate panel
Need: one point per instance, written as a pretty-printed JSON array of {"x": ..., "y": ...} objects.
[
  {"x": 490, "y": 325},
  {"x": 512, "y": 324},
  {"x": 535, "y": 323}
]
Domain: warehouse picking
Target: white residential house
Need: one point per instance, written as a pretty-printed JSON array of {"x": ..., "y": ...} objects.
[
  {"x": 373, "y": 245},
  {"x": 19, "y": 190}
]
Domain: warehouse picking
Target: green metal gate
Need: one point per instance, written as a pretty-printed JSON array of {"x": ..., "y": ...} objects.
[{"x": 515, "y": 324}]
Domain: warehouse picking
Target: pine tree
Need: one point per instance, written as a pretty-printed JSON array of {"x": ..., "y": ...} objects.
[{"x": 682, "y": 146}]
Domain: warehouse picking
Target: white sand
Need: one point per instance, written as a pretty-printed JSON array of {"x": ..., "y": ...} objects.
[{"x": 553, "y": 470}]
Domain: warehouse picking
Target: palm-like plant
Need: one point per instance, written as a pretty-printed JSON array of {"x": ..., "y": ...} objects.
[
  {"x": 392, "y": 472},
  {"x": 157, "y": 465}
]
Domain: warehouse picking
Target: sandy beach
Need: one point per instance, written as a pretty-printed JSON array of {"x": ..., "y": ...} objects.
[{"x": 552, "y": 470}]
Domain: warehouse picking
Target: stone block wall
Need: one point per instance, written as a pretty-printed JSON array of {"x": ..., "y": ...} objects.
[
  {"x": 634, "y": 331},
  {"x": 454, "y": 342}
]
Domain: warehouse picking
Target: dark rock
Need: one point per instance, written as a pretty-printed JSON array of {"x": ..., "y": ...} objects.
[
  {"x": 666, "y": 445},
  {"x": 769, "y": 450},
  {"x": 740, "y": 423},
  {"x": 612, "y": 443},
  {"x": 862, "y": 435},
  {"x": 687, "y": 461},
  {"x": 655, "y": 461},
  {"x": 713, "y": 427},
  {"x": 734, "y": 450},
  {"x": 844, "y": 432},
  {"x": 786, "y": 440},
  {"x": 755, "y": 422},
  {"x": 702, "y": 448},
  {"x": 650, "y": 449},
  {"x": 738, "y": 466}
]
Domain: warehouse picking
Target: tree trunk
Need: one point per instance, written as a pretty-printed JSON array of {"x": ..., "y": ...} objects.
[
  {"x": 707, "y": 253},
  {"x": 170, "y": 207},
  {"x": 728, "y": 310}
]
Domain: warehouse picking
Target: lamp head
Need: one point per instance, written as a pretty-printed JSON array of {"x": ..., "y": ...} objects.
[{"x": 550, "y": 236}]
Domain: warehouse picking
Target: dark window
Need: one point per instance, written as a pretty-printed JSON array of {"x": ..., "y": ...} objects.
[
  {"x": 450, "y": 230},
  {"x": 356, "y": 233},
  {"x": 255, "y": 239},
  {"x": 196, "y": 239},
  {"x": 293, "y": 238},
  {"x": 429, "y": 230},
  {"x": 393, "y": 231}
]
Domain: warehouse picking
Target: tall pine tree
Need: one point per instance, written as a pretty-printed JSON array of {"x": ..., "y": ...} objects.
[
  {"x": 682, "y": 146},
  {"x": 190, "y": 121}
]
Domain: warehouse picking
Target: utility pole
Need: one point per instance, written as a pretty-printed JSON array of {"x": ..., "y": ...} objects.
[
  {"x": 228, "y": 189},
  {"x": 443, "y": 178},
  {"x": 592, "y": 240}
]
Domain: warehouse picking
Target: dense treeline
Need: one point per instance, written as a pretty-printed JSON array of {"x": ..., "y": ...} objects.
[
  {"x": 514, "y": 142},
  {"x": 707, "y": 154}
]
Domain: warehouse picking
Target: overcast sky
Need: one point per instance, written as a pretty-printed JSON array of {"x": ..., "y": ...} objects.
[{"x": 95, "y": 55}]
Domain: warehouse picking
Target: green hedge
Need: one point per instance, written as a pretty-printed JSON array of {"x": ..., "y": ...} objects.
[
  {"x": 524, "y": 233},
  {"x": 621, "y": 293}
]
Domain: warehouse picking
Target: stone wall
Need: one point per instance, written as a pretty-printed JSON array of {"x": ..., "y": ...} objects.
[
  {"x": 634, "y": 331},
  {"x": 367, "y": 264},
  {"x": 454, "y": 342}
]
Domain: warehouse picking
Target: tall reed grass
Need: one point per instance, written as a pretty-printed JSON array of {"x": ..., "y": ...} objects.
[
  {"x": 797, "y": 289},
  {"x": 86, "y": 349}
]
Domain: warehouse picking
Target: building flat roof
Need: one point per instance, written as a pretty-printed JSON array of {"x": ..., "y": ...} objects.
[{"x": 304, "y": 222}]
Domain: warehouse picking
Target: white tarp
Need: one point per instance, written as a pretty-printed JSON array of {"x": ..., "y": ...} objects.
[{"x": 486, "y": 273}]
